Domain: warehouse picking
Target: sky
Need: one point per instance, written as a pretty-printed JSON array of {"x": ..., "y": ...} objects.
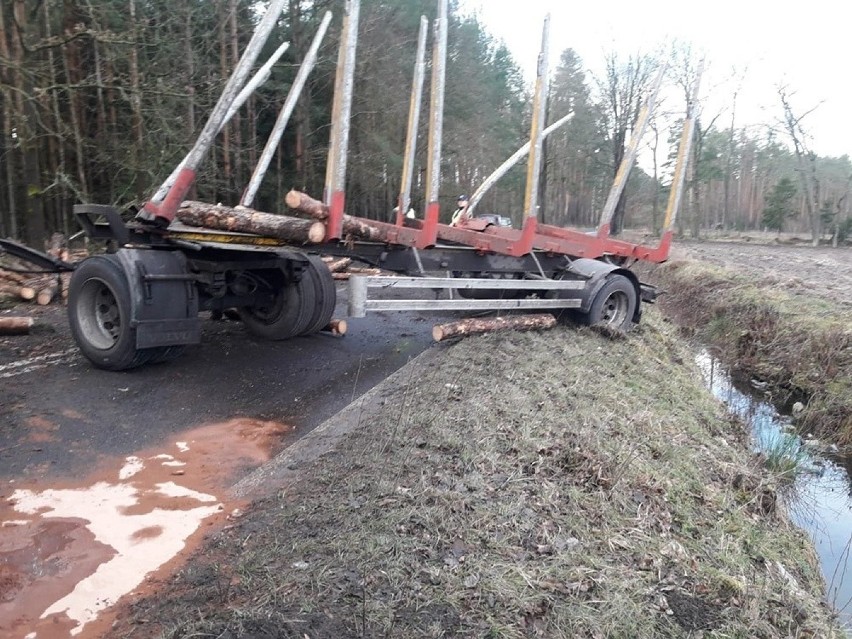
[{"x": 751, "y": 47}]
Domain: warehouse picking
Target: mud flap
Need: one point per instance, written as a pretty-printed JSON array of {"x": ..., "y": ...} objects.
[{"x": 163, "y": 296}]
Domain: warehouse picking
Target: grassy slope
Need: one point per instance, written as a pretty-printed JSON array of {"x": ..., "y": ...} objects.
[
  {"x": 555, "y": 485},
  {"x": 801, "y": 345}
]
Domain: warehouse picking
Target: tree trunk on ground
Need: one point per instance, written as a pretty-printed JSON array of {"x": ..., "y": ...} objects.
[
  {"x": 474, "y": 326},
  {"x": 45, "y": 295},
  {"x": 336, "y": 327},
  {"x": 225, "y": 218},
  {"x": 15, "y": 325}
]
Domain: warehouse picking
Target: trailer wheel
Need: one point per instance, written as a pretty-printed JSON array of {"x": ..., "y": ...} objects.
[
  {"x": 99, "y": 314},
  {"x": 286, "y": 316},
  {"x": 614, "y": 304},
  {"x": 325, "y": 294}
]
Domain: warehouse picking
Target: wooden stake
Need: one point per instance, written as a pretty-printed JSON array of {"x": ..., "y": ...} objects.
[
  {"x": 15, "y": 325},
  {"x": 473, "y": 326}
]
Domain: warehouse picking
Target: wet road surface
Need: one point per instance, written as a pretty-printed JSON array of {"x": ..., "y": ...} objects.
[{"x": 105, "y": 476}]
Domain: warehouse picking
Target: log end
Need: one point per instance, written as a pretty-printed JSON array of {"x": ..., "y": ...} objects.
[
  {"x": 437, "y": 333},
  {"x": 293, "y": 198},
  {"x": 316, "y": 233}
]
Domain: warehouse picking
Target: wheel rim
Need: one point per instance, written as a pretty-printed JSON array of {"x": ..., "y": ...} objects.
[
  {"x": 614, "y": 309},
  {"x": 99, "y": 314}
]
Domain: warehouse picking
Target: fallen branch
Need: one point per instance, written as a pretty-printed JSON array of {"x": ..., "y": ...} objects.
[
  {"x": 475, "y": 326},
  {"x": 15, "y": 325},
  {"x": 225, "y": 218}
]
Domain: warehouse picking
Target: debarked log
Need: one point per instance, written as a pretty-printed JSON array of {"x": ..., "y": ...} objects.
[
  {"x": 475, "y": 326},
  {"x": 15, "y": 325},
  {"x": 243, "y": 220},
  {"x": 352, "y": 226}
]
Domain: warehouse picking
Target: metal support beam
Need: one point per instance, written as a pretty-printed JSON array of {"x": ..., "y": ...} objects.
[
  {"x": 284, "y": 115},
  {"x": 162, "y": 212},
  {"x": 629, "y": 158},
  {"x": 344, "y": 81},
  {"x": 404, "y": 200},
  {"x": 436, "y": 126}
]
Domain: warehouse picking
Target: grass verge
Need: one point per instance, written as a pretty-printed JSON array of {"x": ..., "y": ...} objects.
[
  {"x": 523, "y": 485},
  {"x": 801, "y": 346}
]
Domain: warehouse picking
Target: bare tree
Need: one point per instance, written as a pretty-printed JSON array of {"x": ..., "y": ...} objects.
[{"x": 806, "y": 160}]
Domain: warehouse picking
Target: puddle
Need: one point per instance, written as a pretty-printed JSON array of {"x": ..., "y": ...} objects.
[
  {"x": 821, "y": 499},
  {"x": 69, "y": 553}
]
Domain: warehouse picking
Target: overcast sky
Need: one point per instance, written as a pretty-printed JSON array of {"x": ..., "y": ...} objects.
[{"x": 806, "y": 45}]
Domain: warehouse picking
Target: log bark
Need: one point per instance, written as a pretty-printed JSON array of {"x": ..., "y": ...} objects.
[
  {"x": 225, "y": 218},
  {"x": 15, "y": 325},
  {"x": 475, "y": 326},
  {"x": 338, "y": 265},
  {"x": 340, "y": 276},
  {"x": 336, "y": 327},
  {"x": 9, "y": 290},
  {"x": 10, "y": 276},
  {"x": 306, "y": 205}
]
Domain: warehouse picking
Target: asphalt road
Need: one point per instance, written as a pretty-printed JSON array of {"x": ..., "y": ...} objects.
[{"x": 59, "y": 416}]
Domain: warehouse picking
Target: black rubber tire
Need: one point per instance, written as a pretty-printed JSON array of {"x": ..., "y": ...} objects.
[
  {"x": 99, "y": 315},
  {"x": 325, "y": 294},
  {"x": 288, "y": 315},
  {"x": 614, "y": 304}
]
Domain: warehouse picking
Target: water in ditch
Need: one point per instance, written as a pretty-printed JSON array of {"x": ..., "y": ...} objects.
[{"x": 820, "y": 501}]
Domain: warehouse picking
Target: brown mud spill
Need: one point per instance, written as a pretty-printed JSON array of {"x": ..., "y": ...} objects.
[{"x": 69, "y": 552}]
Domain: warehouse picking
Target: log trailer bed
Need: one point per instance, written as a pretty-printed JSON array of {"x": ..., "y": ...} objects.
[{"x": 139, "y": 303}]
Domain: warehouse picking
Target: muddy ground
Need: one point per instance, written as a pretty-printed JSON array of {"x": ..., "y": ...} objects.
[
  {"x": 550, "y": 485},
  {"x": 801, "y": 269}
]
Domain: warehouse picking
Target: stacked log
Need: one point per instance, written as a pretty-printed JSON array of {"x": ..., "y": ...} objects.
[
  {"x": 306, "y": 205},
  {"x": 244, "y": 220},
  {"x": 336, "y": 327}
]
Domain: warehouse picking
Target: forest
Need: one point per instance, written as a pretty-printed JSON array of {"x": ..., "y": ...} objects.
[{"x": 102, "y": 98}]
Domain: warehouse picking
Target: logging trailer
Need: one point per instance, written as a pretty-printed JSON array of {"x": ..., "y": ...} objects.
[{"x": 139, "y": 303}]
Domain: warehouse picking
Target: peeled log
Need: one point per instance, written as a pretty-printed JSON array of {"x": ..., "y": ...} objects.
[
  {"x": 475, "y": 326},
  {"x": 15, "y": 325},
  {"x": 225, "y": 218},
  {"x": 352, "y": 226}
]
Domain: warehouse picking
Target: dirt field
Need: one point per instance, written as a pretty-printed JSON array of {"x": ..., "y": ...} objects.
[{"x": 803, "y": 270}]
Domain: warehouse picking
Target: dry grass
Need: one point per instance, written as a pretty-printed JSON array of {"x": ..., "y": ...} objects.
[
  {"x": 800, "y": 345},
  {"x": 527, "y": 485}
]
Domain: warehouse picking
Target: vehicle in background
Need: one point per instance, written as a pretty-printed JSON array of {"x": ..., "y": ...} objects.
[{"x": 497, "y": 220}]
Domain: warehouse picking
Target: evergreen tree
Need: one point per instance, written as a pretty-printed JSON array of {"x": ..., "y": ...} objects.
[{"x": 779, "y": 204}]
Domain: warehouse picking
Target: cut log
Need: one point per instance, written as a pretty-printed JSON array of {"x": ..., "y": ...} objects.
[
  {"x": 225, "y": 218},
  {"x": 9, "y": 290},
  {"x": 15, "y": 325},
  {"x": 28, "y": 293},
  {"x": 336, "y": 327},
  {"x": 338, "y": 265},
  {"x": 475, "y": 326},
  {"x": 306, "y": 205},
  {"x": 363, "y": 270},
  {"x": 341, "y": 276},
  {"x": 15, "y": 278},
  {"x": 57, "y": 245},
  {"x": 45, "y": 296}
]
